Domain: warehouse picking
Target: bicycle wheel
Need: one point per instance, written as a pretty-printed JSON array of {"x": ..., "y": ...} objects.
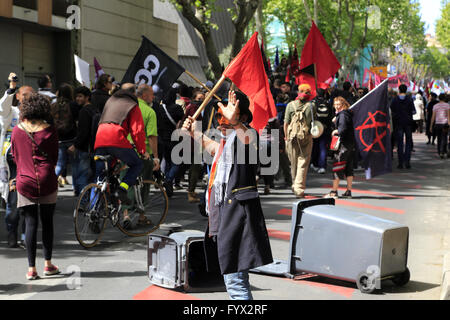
[
  {"x": 90, "y": 216},
  {"x": 140, "y": 222}
]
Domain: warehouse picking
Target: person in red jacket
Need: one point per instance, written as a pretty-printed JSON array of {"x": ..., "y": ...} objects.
[{"x": 122, "y": 117}]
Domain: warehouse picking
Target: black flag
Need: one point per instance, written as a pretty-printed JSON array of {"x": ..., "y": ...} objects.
[
  {"x": 153, "y": 66},
  {"x": 373, "y": 131}
]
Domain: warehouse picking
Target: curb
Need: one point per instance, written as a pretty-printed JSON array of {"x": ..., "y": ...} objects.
[{"x": 445, "y": 287}]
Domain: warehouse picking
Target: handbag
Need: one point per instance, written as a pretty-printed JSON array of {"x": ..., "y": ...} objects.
[{"x": 335, "y": 143}]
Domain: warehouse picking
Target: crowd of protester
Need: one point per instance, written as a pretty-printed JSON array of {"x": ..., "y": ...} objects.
[{"x": 66, "y": 127}]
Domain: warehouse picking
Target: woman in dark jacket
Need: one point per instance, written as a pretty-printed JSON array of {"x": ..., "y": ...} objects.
[
  {"x": 34, "y": 147},
  {"x": 343, "y": 157}
]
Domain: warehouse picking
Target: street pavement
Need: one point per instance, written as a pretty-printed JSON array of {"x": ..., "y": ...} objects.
[{"x": 418, "y": 198}]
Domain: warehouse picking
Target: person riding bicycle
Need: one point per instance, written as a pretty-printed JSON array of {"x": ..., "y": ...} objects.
[{"x": 122, "y": 117}]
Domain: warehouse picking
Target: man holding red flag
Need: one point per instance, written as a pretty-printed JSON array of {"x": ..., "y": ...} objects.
[{"x": 236, "y": 239}]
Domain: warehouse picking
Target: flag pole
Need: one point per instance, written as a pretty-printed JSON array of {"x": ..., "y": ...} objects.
[
  {"x": 200, "y": 83},
  {"x": 209, "y": 97}
]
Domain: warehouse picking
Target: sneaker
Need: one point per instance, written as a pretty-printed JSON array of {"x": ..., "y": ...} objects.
[
  {"x": 31, "y": 276},
  {"x": 61, "y": 182},
  {"x": 51, "y": 271},
  {"x": 442, "y": 156},
  {"x": 347, "y": 194},
  {"x": 322, "y": 171},
  {"x": 332, "y": 195},
  {"x": 122, "y": 194},
  {"x": 178, "y": 186},
  {"x": 314, "y": 168},
  {"x": 266, "y": 190},
  {"x": 22, "y": 245}
]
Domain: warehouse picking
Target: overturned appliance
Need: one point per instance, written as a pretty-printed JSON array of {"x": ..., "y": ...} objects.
[
  {"x": 345, "y": 245},
  {"x": 178, "y": 262}
]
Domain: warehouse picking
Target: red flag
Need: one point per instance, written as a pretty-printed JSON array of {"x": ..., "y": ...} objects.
[
  {"x": 295, "y": 63},
  {"x": 248, "y": 74},
  {"x": 317, "y": 51},
  {"x": 371, "y": 85}
]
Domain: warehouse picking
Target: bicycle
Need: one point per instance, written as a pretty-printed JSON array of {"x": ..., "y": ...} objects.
[{"x": 99, "y": 203}]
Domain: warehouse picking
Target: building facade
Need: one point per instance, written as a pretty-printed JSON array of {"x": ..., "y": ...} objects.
[{"x": 37, "y": 40}]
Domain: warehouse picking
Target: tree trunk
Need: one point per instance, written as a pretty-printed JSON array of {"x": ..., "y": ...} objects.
[
  {"x": 246, "y": 11},
  {"x": 316, "y": 19},
  {"x": 259, "y": 21}
]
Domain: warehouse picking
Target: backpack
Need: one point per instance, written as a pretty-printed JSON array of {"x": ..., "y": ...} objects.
[
  {"x": 324, "y": 113},
  {"x": 300, "y": 126},
  {"x": 62, "y": 117}
]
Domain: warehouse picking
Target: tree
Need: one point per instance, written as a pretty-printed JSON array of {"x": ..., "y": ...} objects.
[
  {"x": 438, "y": 62},
  {"x": 199, "y": 13},
  {"x": 443, "y": 25},
  {"x": 349, "y": 26}
]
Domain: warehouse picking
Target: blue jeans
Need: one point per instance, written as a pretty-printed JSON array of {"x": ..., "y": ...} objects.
[
  {"x": 238, "y": 286},
  {"x": 404, "y": 147},
  {"x": 320, "y": 151},
  {"x": 63, "y": 157},
  {"x": 81, "y": 171},
  {"x": 442, "y": 138},
  {"x": 12, "y": 217},
  {"x": 127, "y": 156}
]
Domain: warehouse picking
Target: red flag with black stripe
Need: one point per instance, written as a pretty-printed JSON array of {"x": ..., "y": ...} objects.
[{"x": 248, "y": 73}]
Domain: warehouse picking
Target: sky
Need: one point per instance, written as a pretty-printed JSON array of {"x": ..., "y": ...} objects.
[{"x": 431, "y": 12}]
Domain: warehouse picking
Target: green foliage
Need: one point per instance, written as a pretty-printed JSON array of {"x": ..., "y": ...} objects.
[
  {"x": 443, "y": 25},
  {"x": 438, "y": 62},
  {"x": 350, "y": 25}
]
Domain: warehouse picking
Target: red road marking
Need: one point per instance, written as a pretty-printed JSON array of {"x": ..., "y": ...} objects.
[
  {"x": 288, "y": 212},
  {"x": 343, "y": 291},
  {"x": 279, "y": 234},
  {"x": 410, "y": 186},
  {"x": 380, "y": 194},
  {"x": 157, "y": 293},
  {"x": 368, "y": 206},
  {"x": 285, "y": 212}
]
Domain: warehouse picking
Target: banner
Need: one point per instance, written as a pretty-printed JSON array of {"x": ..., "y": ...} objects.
[
  {"x": 82, "y": 71},
  {"x": 371, "y": 120},
  {"x": 153, "y": 66}
]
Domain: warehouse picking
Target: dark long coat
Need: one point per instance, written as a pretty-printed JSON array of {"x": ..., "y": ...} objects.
[{"x": 242, "y": 242}]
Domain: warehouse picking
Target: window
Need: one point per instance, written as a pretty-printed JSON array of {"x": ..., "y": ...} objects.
[
  {"x": 60, "y": 7},
  {"x": 29, "y": 4}
]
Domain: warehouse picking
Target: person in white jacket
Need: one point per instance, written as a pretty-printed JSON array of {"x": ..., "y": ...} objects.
[
  {"x": 9, "y": 118},
  {"x": 419, "y": 117}
]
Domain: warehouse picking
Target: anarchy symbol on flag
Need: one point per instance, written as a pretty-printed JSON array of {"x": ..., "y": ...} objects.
[{"x": 370, "y": 124}]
